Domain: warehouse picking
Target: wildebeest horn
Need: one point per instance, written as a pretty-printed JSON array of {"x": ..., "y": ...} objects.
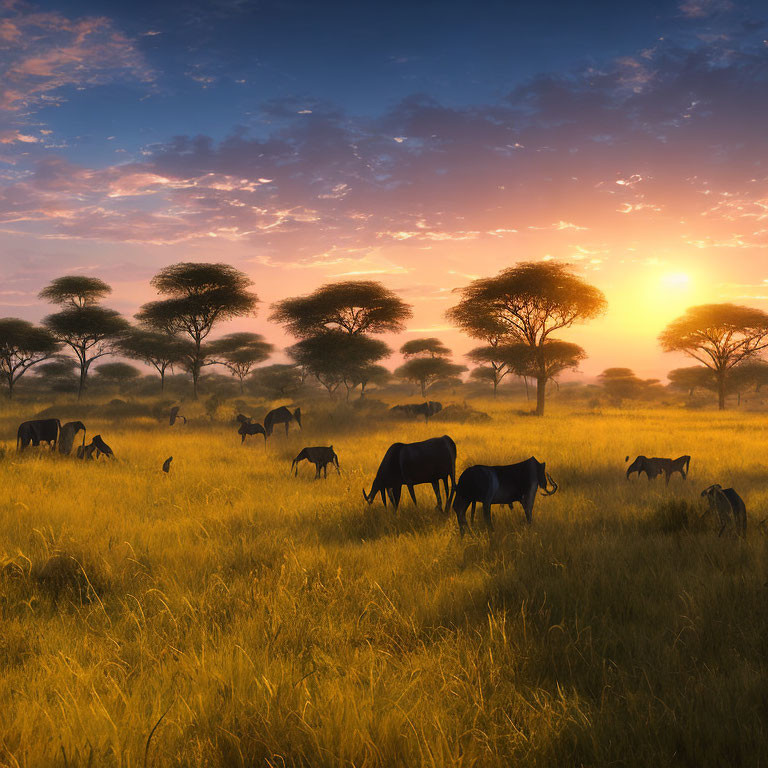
[
  {"x": 366, "y": 497},
  {"x": 548, "y": 492}
]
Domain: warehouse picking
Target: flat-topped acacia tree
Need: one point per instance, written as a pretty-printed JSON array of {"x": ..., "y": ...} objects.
[
  {"x": 352, "y": 308},
  {"x": 528, "y": 304},
  {"x": 719, "y": 336},
  {"x": 22, "y": 345},
  {"x": 88, "y": 329},
  {"x": 198, "y": 296},
  {"x": 160, "y": 350},
  {"x": 239, "y": 352}
]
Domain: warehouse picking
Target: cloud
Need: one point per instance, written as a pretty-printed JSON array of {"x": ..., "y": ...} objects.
[
  {"x": 698, "y": 9},
  {"x": 657, "y": 147},
  {"x": 44, "y": 52}
]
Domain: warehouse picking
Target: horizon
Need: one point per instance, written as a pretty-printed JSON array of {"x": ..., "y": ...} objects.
[{"x": 133, "y": 137}]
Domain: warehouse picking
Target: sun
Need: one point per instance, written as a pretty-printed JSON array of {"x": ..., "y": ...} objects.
[{"x": 676, "y": 280}]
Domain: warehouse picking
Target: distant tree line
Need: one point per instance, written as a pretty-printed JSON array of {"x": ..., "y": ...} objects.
[{"x": 517, "y": 316}]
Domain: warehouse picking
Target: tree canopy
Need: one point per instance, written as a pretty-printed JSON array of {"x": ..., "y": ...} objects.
[
  {"x": 426, "y": 371},
  {"x": 75, "y": 291},
  {"x": 526, "y": 305},
  {"x": 90, "y": 331},
  {"x": 431, "y": 346},
  {"x": 337, "y": 357},
  {"x": 198, "y": 296},
  {"x": 719, "y": 336},
  {"x": 277, "y": 380},
  {"x": 240, "y": 352},
  {"x": 353, "y": 306},
  {"x": 22, "y": 345},
  {"x": 160, "y": 350}
]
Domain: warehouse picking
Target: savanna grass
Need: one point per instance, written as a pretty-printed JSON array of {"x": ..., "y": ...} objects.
[{"x": 231, "y": 614}]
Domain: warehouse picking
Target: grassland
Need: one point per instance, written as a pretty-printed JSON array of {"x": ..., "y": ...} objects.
[{"x": 231, "y": 615}]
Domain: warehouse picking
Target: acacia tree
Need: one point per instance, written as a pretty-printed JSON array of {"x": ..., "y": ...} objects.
[
  {"x": 159, "y": 350},
  {"x": 527, "y": 304},
  {"x": 719, "y": 336},
  {"x": 59, "y": 374},
  {"x": 373, "y": 374},
  {"x": 474, "y": 315},
  {"x": 279, "y": 379},
  {"x": 22, "y": 345},
  {"x": 335, "y": 358},
  {"x": 75, "y": 291},
  {"x": 354, "y": 308},
  {"x": 88, "y": 329},
  {"x": 198, "y": 296},
  {"x": 430, "y": 347},
  {"x": 117, "y": 374},
  {"x": 239, "y": 352},
  {"x": 425, "y": 371},
  {"x": 429, "y": 363},
  {"x": 691, "y": 378}
]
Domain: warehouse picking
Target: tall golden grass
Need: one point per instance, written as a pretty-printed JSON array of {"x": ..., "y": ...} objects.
[{"x": 232, "y": 615}]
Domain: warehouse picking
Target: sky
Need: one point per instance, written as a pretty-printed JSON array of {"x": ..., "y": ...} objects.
[{"x": 422, "y": 144}]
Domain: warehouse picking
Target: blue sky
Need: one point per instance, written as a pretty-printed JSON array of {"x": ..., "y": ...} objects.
[{"x": 422, "y": 144}]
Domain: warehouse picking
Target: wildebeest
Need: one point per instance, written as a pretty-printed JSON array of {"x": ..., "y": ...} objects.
[
  {"x": 175, "y": 414},
  {"x": 167, "y": 464},
  {"x": 281, "y": 415},
  {"x": 417, "y": 409},
  {"x": 320, "y": 456},
  {"x": 246, "y": 428},
  {"x": 38, "y": 431},
  {"x": 94, "y": 449},
  {"x": 67, "y": 436},
  {"x": 653, "y": 467},
  {"x": 501, "y": 485},
  {"x": 728, "y": 506},
  {"x": 411, "y": 464}
]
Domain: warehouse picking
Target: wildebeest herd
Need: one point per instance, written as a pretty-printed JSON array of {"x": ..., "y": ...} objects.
[{"x": 430, "y": 461}]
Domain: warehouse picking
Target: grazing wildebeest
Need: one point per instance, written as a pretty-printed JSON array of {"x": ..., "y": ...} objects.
[
  {"x": 246, "y": 428},
  {"x": 175, "y": 414},
  {"x": 320, "y": 456},
  {"x": 281, "y": 415},
  {"x": 38, "y": 431},
  {"x": 417, "y": 409},
  {"x": 167, "y": 464},
  {"x": 501, "y": 485},
  {"x": 67, "y": 436},
  {"x": 94, "y": 449},
  {"x": 728, "y": 506},
  {"x": 653, "y": 467},
  {"x": 411, "y": 464}
]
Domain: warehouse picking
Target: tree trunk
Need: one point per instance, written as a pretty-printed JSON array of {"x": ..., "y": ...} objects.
[
  {"x": 495, "y": 385},
  {"x": 541, "y": 386},
  {"x": 162, "y": 380},
  {"x": 721, "y": 390},
  {"x": 527, "y": 394},
  {"x": 81, "y": 384},
  {"x": 11, "y": 382},
  {"x": 423, "y": 389}
]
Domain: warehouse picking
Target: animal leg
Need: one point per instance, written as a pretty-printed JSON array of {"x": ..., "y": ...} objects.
[
  {"x": 487, "y": 516},
  {"x": 413, "y": 495},
  {"x": 461, "y": 517},
  {"x": 438, "y": 498},
  {"x": 286, "y": 427},
  {"x": 474, "y": 504},
  {"x": 447, "y": 495},
  {"x": 317, "y": 471}
]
